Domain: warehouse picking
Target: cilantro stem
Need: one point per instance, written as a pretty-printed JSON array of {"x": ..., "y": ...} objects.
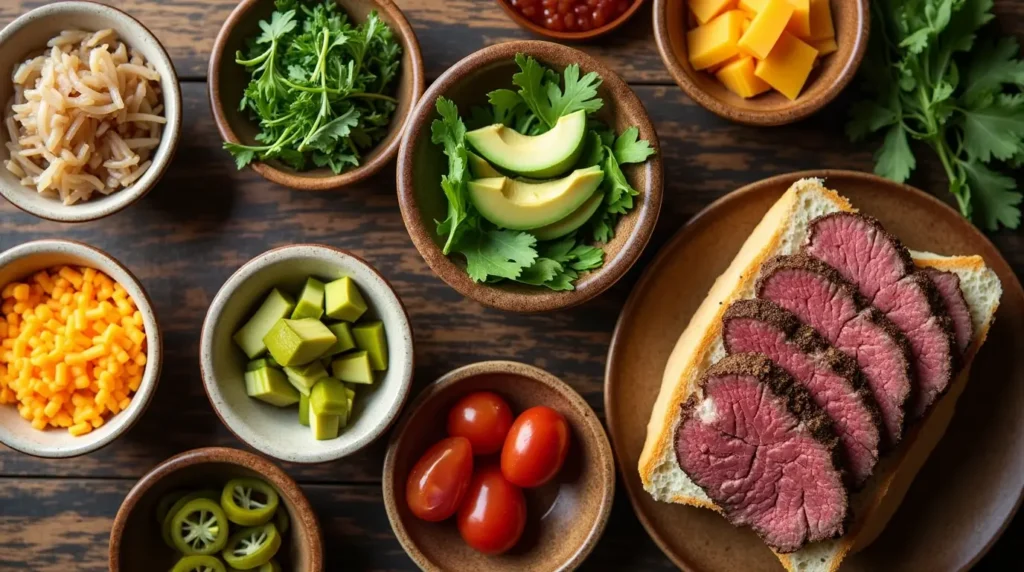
[{"x": 366, "y": 95}]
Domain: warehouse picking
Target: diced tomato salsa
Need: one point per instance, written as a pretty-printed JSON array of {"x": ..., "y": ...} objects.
[{"x": 571, "y": 15}]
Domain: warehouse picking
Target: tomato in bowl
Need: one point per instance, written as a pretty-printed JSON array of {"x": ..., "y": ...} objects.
[{"x": 570, "y": 19}]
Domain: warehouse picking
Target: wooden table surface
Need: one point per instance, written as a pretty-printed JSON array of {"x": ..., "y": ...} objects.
[{"x": 205, "y": 219}]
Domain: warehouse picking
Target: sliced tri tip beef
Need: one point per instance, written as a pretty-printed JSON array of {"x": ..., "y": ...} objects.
[
  {"x": 754, "y": 440},
  {"x": 833, "y": 379},
  {"x": 822, "y": 299},
  {"x": 948, "y": 285},
  {"x": 880, "y": 267}
]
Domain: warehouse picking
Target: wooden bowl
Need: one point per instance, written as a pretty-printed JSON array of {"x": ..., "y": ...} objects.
[
  {"x": 852, "y": 20},
  {"x": 21, "y": 262},
  {"x": 135, "y": 541},
  {"x": 528, "y": 24},
  {"x": 276, "y": 431},
  {"x": 565, "y": 518},
  {"x": 227, "y": 81},
  {"x": 26, "y": 37},
  {"x": 421, "y": 163}
]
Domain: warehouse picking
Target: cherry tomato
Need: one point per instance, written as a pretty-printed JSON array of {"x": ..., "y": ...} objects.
[
  {"x": 482, "y": 417},
  {"x": 494, "y": 514},
  {"x": 439, "y": 479},
  {"x": 535, "y": 448}
]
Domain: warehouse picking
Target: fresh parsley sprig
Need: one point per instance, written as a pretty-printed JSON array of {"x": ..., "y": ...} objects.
[{"x": 929, "y": 77}]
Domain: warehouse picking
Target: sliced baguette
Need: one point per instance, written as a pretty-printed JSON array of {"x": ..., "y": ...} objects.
[{"x": 782, "y": 231}]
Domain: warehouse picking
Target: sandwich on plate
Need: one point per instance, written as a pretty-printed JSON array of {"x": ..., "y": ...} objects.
[{"x": 815, "y": 378}]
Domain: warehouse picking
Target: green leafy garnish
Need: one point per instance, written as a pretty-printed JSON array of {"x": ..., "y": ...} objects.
[
  {"x": 321, "y": 87},
  {"x": 931, "y": 75}
]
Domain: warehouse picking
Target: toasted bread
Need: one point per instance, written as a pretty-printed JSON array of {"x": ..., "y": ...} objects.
[{"x": 782, "y": 231}]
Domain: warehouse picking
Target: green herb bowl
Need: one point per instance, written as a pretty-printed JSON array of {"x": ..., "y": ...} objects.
[
  {"x": 227, "y": 81},
  {"x": 421, "y": 164}
]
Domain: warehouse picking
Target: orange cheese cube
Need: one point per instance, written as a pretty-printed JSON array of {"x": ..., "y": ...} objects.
[
  {"x": 706, "y": 10},
  {"x": 716, "y": 41},
  {"x": 825, "y": 47},
  {"x": 765, "y": 28},
  {"x": 738, "y": 76},
  {"x": 800, "y": 22},
  {"x": 787, "y": 66},
  {"x": 714, "y": 69},
  {"x": 820, "y": 19},
  {"x": 752, "y": 6}
]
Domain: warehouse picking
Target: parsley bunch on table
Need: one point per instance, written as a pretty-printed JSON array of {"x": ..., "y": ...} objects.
[
  {"x": 321, "y": 86},
  {"x": 493, "y": 254},
  {"x": 932, "y": 76}
]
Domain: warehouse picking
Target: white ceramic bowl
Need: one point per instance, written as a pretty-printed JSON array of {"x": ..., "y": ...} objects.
[
  {"x": 23, "y": 261},
  {"x": 276, "y": 431},
  {"x": 27, "y": 36}
]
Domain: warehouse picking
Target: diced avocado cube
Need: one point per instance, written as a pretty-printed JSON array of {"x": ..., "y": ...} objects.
[
  {"x": 311, "y": 300},
  {"x": 259, "y": 363},
  {"x": 323, "y": 426},
  {"x": 371, "y": 339},
  {"x": 249, "y": 337},
  {"x": 298, "y": 342},
  {"x": 270, "y": 386},
  {"x": 353, "y": 367},
  {"x": 343, "y": 300},
  {"x": 343, "y": 331},
  {"x": 303, "y": 410},
  {"x": 351, "y": 396},
  {"x": 304, "y": 377},
  {"x": 329, "y": 396}
]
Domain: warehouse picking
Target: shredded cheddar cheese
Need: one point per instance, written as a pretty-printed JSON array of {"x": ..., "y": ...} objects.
[{"x": 72, "y": 348}]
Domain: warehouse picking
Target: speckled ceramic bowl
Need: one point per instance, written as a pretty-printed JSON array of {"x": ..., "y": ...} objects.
[
  {"x": 564, "y": 518},
  {"x": 20, "y": 263},
  {"x": 276, "y": 431},
  {"x": 135, "y": 542},
  {"x": 27, "y": 36}
]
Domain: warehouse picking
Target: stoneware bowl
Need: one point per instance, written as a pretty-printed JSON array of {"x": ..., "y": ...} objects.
[
  {"x": 276, "y": 431},
  {"x": 565, "y": 517},
  {"x": 421, "y": 164},
  {"x": 227, "y": 81},
  {"x": 26, "y": 37},
  {"x": 851, "y": 19},
  {"x": 135, "y": 542},
  {"x": 22, "y": 262},
  {"x": 532, "y": 26}
]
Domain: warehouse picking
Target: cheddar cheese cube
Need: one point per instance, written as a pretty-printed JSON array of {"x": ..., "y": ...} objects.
[
  {"x": 825, "y": 47},
  {"x": 706, "y": 10},
  {"x": 788, "y": 65},
  {"x": 738, "y": 76},
  {"x": 820, "y": 19},
  {"x": 800, "y": 22},
  {"x": 765, "y": 28},
  {"x": 716, "y": 41}
]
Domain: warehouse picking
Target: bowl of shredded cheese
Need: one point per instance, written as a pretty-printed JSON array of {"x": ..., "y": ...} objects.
[
  {"x": 80, "y": 348},
  {"x": 90, "y": 108}
]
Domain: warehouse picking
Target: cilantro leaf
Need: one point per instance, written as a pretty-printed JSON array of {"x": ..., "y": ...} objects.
[
  {"x": 450, "y": 132},
  {"x": 541, "y": 271},
  {"x": 993, "y": 65},
  {"x": 497, "y": 253},
  {"x": 995, "y": 128},
  {"x": 868, "y": 116},
  {"x": 540, "y": 92},
  {"x": 586, "y": 257},
  {"x": 894, "y": 160},
  {"x": 993, "y": 195},
  {"x": 242, "y": 154},
  {"x": 628, "y": 150}
]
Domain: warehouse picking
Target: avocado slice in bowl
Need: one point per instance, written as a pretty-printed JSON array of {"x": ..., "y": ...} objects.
[
  {"x": 479, "y": 168},
  {"x": 538, "y": 156},
  {"x": 576, "y": 219},
  {"x": 524, "y": 205}
]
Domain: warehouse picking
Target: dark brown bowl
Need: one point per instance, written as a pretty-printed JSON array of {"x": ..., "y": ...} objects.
[
  {"x": 421, "y": 163},
  {"x": 528, "y": 24},
  {"x": 227, "y": 82},
  {"x": 135, "y": 542},
  {"x": 851, "y": 19},
  {"x": 565, "y": 518}
]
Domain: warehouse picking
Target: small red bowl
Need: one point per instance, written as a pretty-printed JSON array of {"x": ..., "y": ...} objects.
[{"x": 528, "y": 24}]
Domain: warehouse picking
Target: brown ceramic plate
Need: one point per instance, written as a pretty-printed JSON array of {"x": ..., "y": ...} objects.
[
  {"x": 564, "y": 518},
  {"x": 421, "y": 163},
  {"x": 852, "y": 21},
  {"x": 970, "y": 487},
  {"x": 528, "y": 24}
]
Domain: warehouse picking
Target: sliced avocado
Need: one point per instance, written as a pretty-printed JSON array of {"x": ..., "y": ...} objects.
[
  {"x": 323, "y": 426},
  {"x": 249, "y": 337},
  {"x": 519, "y": 205},
  {"x": 311, "y": 300},
  {"x": 270, "y": 386},
  {"x": 539, "y": 156},
  {"x": 353, "y": 367},
  {"x": 329, "y": 396},
  {"x": 578, "y": 218},
  {"x": 343, "y": 331},
  {"x": 303, "y": 410},
  {"x": 298, "y": 342},
  {"x": 304, "y": 377},
  {"x": 479, "y": 168},
  {"x": 370, "y": 337},
  {"x": 343, "y": 300}
]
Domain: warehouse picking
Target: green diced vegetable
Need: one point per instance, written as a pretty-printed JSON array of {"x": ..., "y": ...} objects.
[
  {"x": 303, "y": 409},
  {"x": 298, "y": 342},
  {"x": 270, "y": 386},
  {"x": 344, "y": 301},
  {"x": 353, "y": 368},
  {"x": 329, "y": 397},
  {"x": 304, "y": 377},
  {"x": 311, "y": 301},
  {"x": 249, "y": 337},
  {"x": 323, "y": 426},
  {"x": 343, "y": 331},
  {"x": 370, "y": 338}
]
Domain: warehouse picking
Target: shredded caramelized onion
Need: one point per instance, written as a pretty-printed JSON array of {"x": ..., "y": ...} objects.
[{"x": 86, "y": 117}]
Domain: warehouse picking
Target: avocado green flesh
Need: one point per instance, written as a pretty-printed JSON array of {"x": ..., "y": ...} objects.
[
  {"x": 479, "y": 168},
  {"x": 578, "y": 218},
  {"x": 538, "y": 156},
  {"x": 520, "y": 205}
]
